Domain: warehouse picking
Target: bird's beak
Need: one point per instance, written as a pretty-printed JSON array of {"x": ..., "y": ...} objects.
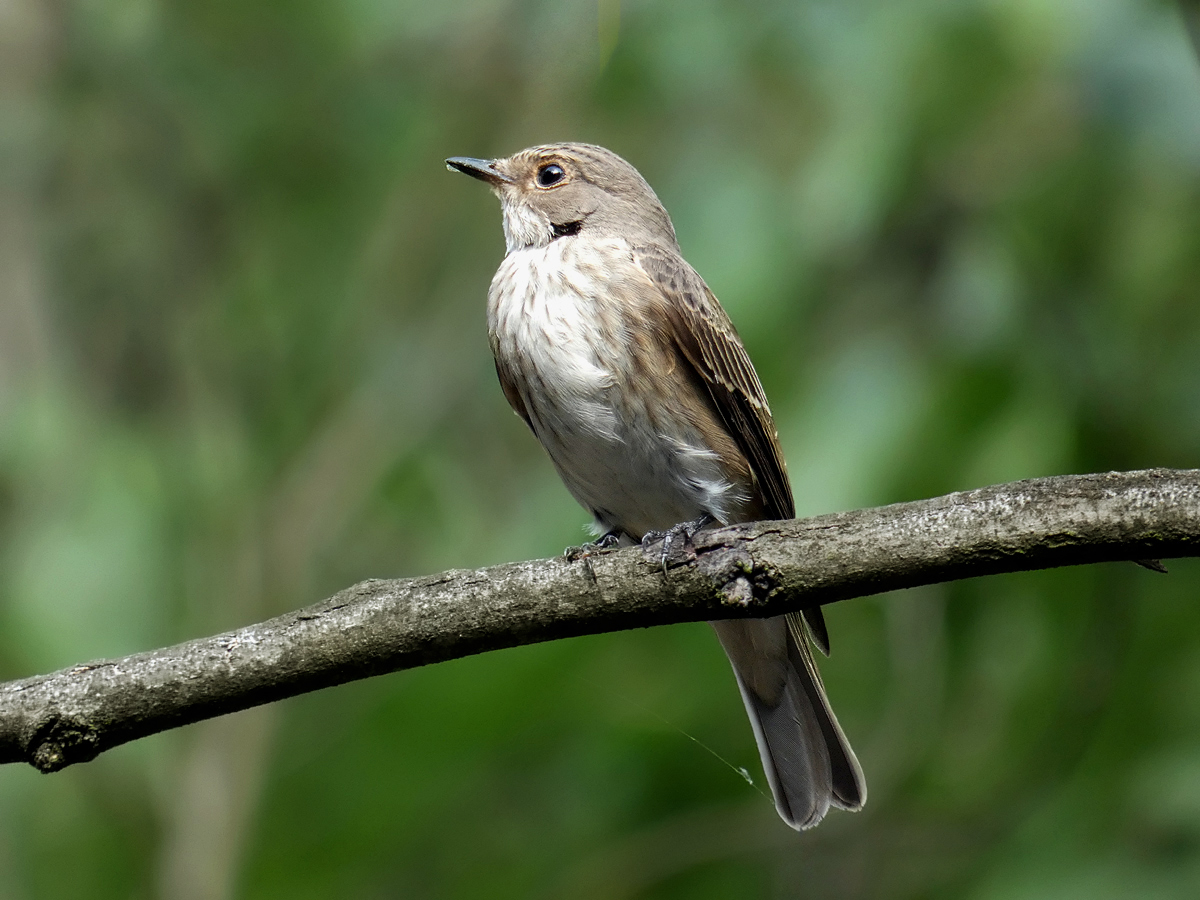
[{"x": 483, "y": 169}]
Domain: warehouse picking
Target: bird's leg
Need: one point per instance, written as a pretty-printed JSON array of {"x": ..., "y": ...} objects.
[
  {"x": 686, "y": 530},
  {"x": 609, "y": 541}
]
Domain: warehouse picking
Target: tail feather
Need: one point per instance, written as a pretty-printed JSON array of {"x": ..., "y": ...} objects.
[{"x": 807, "y": 760}]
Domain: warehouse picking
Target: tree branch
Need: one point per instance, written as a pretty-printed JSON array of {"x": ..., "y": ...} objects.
[{"x": 761, "y": 569}]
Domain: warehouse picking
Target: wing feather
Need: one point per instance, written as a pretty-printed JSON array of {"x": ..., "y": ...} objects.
[
  {"x": 705, "y": 335},
  {"x": 508, "y": 383}
]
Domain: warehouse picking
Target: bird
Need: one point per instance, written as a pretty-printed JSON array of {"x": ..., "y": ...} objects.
[{"x": 633, "y": 378}]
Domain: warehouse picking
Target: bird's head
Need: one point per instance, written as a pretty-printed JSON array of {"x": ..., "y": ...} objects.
[{"x": 563, "y": 190}]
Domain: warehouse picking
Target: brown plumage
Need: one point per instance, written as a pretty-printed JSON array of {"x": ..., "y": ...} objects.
[{"x": 626, "y": 368}]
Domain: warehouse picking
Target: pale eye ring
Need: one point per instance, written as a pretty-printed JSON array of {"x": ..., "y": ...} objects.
[{"x": 550, "y": 175}]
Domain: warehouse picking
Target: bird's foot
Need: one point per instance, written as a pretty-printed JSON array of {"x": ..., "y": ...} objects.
[
  {"x": 685, "y": 530},
  {"x": 602, "y": 544}
]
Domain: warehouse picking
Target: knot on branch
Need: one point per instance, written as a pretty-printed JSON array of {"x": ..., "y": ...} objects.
[
  {"x": 60, "y": 741},
  {"x": 739, "y": 580}
]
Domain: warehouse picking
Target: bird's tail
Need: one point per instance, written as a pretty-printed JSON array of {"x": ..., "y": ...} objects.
[{"x": 806, "y": 757}]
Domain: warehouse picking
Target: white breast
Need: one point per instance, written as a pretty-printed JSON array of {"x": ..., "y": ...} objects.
[
  {"x": 558, "y": 324},
  {"x": 541, "y": 311}
]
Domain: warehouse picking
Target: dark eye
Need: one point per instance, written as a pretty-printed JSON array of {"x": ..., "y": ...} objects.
[{"x": 550, "y": 174}]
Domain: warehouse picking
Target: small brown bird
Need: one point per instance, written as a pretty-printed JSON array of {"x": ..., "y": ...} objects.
[{"x": 622, "y": 362}]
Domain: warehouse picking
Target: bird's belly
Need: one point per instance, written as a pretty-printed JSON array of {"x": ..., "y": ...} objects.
[
  {"x": 637, "y": 480},
  {"x": 632, "y": 458},
  {"x": 635, "y": 469}
]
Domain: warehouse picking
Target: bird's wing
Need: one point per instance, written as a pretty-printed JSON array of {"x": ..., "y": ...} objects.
[
  {"x": 508, "y": 383},
  {"x": 705, "y": 335}
]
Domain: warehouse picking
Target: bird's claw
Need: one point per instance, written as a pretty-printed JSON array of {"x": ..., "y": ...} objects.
[
  {"x": 604, "y": 543},
  {"x": 686, "y": 530}
]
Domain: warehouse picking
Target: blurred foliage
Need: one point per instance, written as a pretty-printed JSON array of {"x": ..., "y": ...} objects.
[{"x": 243, "y": 364}]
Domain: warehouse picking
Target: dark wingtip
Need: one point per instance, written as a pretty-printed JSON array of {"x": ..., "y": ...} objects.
[{"x": 817, "y": 630}]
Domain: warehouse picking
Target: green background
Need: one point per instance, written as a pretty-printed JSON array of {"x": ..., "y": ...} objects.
[{"x": 243, "y": 364}]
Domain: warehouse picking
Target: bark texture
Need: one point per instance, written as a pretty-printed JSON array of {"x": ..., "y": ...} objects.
[{"x": 762, "y": 569}]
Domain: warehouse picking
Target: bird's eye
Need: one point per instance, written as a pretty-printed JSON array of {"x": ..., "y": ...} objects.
[{"x": 550, "y": 175}]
